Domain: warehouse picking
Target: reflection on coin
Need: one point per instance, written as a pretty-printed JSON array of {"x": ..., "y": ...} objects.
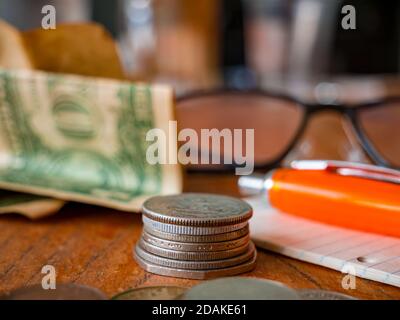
[
  {"x": 151, "y": 293},
  {"x": 197, "y": 209},
  {"x": 240, "y": 288},
  {"x": 189, "y": 230},
  {"x": 195, "y": 265},
  {"x": 315, "y": 294},
  {"x": 196, "y": 247},
  {"x": 192, "y": 255},
  {"x": 203, "y": 238},
  {"x": 197, "y": 274},
  {"x": 69, "y": 291}
]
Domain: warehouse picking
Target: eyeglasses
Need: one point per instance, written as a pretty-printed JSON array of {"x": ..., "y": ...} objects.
[{"x": 279, "y": 121}]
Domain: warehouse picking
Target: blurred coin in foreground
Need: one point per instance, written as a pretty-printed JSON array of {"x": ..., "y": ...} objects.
[
  {"x": 314, "y": 294},
  {"x": 151, "y": 293},
  {"x": 189, "y": 230},
  {"x": 240, "y": 288},
  {"x": 69, "y": 291}
]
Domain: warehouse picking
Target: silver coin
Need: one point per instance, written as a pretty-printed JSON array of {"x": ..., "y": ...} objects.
[
  {"x": 151, "y": 293},
  {"x": 240, "y": 288},
  {"x": 199, "y": 239},
  {"x": 195, "y": 247},
  {"x": 197, "y": 274},
  {"x": 195, "y": 265},
  {"x": 69, "y": 291},
  {"x": 315, "y": 294},
  {"x": 197, "y": 209},
  {"x": 193, "y": 255},
  {"x": 188, "y": 230}
]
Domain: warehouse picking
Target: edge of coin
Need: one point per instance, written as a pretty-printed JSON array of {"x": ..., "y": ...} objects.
[
  {"x": 91, "y": 293},
  {"x": 259, "y": 289},
  {"x": 195, "y": 265},
  {"x": 147, "y": 288},
  {"x": 193, "y": 255},
  {"x": 188, "y": 230},
  {"x": 317, "y": 294},
  {"x": 197, "y": 274},
  {"x": 221, "y": 237},
  {"x": 194, "y": 246}
]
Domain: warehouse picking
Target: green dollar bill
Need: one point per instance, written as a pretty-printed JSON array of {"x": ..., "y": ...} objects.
[
  {"x": 83, "y": 139},
  {"x": 28, "y": 205}
]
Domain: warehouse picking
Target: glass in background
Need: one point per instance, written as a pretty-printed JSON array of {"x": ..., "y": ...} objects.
[
  {"x": 266, "y": 31},
  {"x": 280, "y": 40},
  {"x": 170, "y": 41},
  {"x": 295, "y": 42}
]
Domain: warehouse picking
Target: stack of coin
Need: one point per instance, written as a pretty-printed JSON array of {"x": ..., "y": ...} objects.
[{"x": 195, "y": 236}]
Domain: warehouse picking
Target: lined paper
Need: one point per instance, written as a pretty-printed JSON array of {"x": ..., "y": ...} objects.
[{"x": 375, "y": 257}]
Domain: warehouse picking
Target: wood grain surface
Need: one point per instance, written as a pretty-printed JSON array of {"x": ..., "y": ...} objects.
[{"x": 93, "y": 246}]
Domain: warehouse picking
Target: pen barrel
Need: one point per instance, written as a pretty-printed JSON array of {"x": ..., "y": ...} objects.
[{"x": 350, "y": 202}]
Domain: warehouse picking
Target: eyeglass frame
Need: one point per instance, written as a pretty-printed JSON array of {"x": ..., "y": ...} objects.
[{"x": 349, "y": 111}]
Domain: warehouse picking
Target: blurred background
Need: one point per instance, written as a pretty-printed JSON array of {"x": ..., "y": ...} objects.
[
  {"x": 293, "y": 46},
  {"x": 238, "y": 42}
]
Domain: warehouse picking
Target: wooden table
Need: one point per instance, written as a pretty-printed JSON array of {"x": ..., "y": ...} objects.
[{"x": 93, "y": 246}]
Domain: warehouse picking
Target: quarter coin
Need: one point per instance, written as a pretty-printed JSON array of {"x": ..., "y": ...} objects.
[
  {"x": 197, "y": 210},
  {"x": 195, "y": 247},
  {"x": 315, "y": 294},
  {"x": 151, "y": 293},
  {"x": 199, "y": 238},
  {"x": 197, "y": 274},
  {"x": 69, "y": 291},
  {"x": 195, "y": 265},
  {"x": 189, "y": 230},
  {"x": 193, "y": 255},
  {"x": 240, "y": 288}
]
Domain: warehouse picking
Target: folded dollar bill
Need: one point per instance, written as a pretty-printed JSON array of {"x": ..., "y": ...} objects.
[
  {"x": 29, "y": 205},
  {"x": 82, "y": 139}
]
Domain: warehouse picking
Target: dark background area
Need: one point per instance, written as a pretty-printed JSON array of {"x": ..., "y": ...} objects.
[{"x": 373, "y": 48}]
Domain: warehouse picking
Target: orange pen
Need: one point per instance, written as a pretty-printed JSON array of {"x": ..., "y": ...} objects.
[{"x": 350, "y": 195}]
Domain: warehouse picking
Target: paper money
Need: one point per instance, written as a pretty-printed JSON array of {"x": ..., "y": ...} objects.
[
  {"x": 83, "y": 139},
  {"x": 31, "y": 206}
]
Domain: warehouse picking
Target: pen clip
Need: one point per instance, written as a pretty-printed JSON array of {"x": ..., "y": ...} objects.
[{"x": 350, "y": 169}]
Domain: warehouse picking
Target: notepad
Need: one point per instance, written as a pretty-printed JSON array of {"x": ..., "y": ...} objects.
[{"x": 371, "y": 256}]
